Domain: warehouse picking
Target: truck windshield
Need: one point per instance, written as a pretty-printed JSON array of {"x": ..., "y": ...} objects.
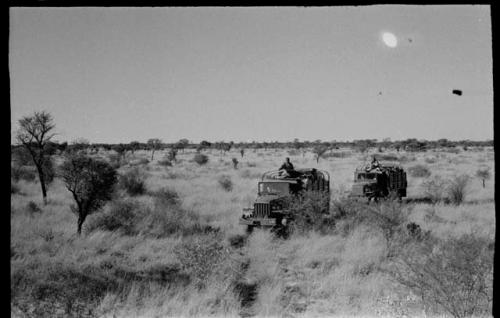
[
  {"x": 367, "y": 176},
  {"x": 273, "y": 188}
]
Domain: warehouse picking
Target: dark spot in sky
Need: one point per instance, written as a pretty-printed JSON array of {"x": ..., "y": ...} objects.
[
  {"x": 410, "y": 40},
  {"x": 380, "y": 93},
  {"x": 457, "y": 92}
]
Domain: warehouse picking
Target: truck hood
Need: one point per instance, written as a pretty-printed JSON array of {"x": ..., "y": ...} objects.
[{"x": 267, "y": 198}]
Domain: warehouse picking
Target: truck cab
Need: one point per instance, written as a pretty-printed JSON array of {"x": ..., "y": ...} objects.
[
  {"x": 270, "y": 206},
  {"x": 382, "y": 182}
]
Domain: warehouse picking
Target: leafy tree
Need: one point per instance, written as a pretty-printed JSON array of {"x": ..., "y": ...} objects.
[
  {"x": 154, "y": 144},
  {"x": 483, "y": 174},
  {"x": 319, "y": 151},
  {"x": 182, "y": 144},
  {"x": 34, "y": 133},
  {"x": 134, "y": 145},
  {"x": 172, "y": 155},
  {"x": 90, "y": 181},
  {"x": 205, "y": 144},
  {"x": 235, "y": 163},
  {"x": 120, "y": 149}
]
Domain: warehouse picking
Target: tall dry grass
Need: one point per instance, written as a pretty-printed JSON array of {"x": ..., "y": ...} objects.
[{"x": 149, "y": 260}]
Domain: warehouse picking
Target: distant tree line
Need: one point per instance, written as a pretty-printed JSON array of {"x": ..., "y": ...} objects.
[{"x": 154, "y": 144}]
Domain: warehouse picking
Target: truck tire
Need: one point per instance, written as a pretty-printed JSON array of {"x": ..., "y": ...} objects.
[{"x": 250, "y": 229}]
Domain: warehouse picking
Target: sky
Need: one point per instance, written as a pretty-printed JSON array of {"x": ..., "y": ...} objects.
[{"x": 115, "y": 75}]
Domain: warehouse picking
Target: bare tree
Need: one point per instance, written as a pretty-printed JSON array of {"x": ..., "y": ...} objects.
[
  {"x": 90, "y": 182},
  {"x": 34, "y": 133},
  {"x": 154, "y": 144}
]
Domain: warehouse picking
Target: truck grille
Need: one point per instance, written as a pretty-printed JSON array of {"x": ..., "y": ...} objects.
[{"x": 261, "y": 210}]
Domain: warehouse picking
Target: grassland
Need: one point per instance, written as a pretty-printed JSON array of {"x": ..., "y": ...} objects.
[{"x": 191, "y": 258}]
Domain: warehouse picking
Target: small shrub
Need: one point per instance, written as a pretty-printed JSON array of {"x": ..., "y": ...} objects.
[
  {"x": 32, "y": 208},
  {"x": 251, "y": 164},
  {"x": 225, "y": 183},
  {"x": 121, "y": 215},
  {"x": 27, "y": 173},
  {"x": 483, "y": 174},
  {"x": 133, "y": 182},
  {"x": 165, "y": 163},
  {"x": 419, "y": 171},
  {"x": 457, "y": 189},
  {"x": 200, "y": 159},
  {"x": 166, "y": 196},
  {"x": 115, "y": 160},
  {"x": 172, "y": 155},
  {"x": 434, "y": 189},
  {"x": 310, "y": 211},
  {"x": 235, "y": 163}
]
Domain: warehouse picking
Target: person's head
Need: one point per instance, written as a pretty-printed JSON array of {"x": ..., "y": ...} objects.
[{"x": 287, "y": 159}]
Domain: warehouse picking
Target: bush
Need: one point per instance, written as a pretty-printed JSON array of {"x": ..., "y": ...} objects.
[
  {"x": 200, "y": 159},
  {"x": 32, "y": 208},
  {"x": 434, "y": 189},
  {"x": 453, "y": 275},
  {"x": 27, "y": 173},
  {"x": 172, "y": 155},
  {"x": 166, "y": 197},
  {"x": 165, "y": 163},
  {"x": 235, "y": 163},
  {"x": 115, "y": 160},
  {"x": 121, "y": 216},
  {"x": 483, "y": 174},
  {"x": 225, "y": 183},
  {"x": 457, "y": 189},
  {"x": 310, "y": 211},
  {"x": 165, "y": 218},
  {"x": 419, "y": 171},
  {"x": 134, "y": 182},
  {"x": 388, "y": 217},
  {"x": 43, "y": 291}
]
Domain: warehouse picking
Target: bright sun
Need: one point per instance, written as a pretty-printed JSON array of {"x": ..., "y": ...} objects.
[{"x": 389, "y": 39}]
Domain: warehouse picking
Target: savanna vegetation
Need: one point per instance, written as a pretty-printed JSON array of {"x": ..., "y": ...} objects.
[{"x": 154, "y": 232}]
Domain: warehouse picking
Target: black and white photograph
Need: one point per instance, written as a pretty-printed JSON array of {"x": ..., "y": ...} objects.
[{"x": 266, "y": 161}]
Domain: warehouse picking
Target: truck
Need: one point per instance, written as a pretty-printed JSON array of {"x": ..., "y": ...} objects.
[
  {"x": 384, "y": 181},
  {"x": 271, "y": 207}
]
